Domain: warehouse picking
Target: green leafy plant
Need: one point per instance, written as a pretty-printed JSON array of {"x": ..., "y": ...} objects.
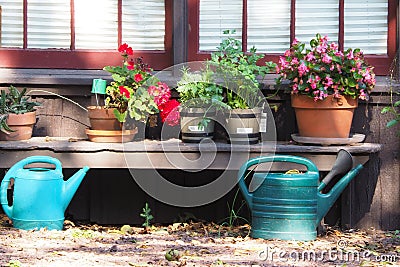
[
  {"x": 15, "y": 102},
  {"x": 240, "y": 72},
  {"x": 146, "y": 214},
  {"x": 199, "y": 90}
]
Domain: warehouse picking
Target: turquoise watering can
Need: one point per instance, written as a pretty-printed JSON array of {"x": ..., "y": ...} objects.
[
  {"x": 40, "y": 195},
  {"x": 289, "y": 206}
]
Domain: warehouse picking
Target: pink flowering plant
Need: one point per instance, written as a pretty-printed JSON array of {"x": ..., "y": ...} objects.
[
  {"x": 134, "y": 91},
  {"x": 325, "y": 70}
]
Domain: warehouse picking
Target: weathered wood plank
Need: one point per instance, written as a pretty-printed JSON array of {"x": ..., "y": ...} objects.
[
  {"x": 63, "y": 144},
  {"x": 171, "y": 154}
]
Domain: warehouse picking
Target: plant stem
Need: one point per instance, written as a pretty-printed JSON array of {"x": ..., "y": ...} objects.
[{"x": 60, "y": 96}]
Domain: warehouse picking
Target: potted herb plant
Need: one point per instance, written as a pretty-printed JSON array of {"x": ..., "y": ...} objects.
[
  {"x": 240, "y": 74},
  {"x": 132, "y": 96},
  {"x": 325, "y": 85},
  {"x": 200, "y": 99},
  {"x": 17, "y": 115}
]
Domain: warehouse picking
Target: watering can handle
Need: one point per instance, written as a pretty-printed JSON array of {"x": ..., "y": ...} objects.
[
  {"x": 311, "y": 168},
  {"x": 35, "y": 159},
  {"x": 3, "y": 196}
]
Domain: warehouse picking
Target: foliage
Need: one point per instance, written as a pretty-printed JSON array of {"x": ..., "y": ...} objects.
[
  {"x": 393, "y": 83},
  {"x": 146, "y": 214},
  {"x": 16, "y": 102},
  {"x": 198, "y": 89},
  {"x": 325, "y": 70},
  {"x": 239, "y": 71},
  {"x": 394, "y": 108},
  {"x": 134, "y": 91}
]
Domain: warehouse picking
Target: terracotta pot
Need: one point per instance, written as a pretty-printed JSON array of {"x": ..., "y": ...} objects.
[
  {"x": 329, "y": 118},
  {"x": 110, "y": 136},
  {"x": 103, "y": 119},
  {"x": 22, "y": 124},
  {"x": 242, "y": 126}
]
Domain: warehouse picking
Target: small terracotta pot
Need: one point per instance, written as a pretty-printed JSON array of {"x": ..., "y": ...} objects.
[
  {"x": 22, "y": 124},
  {"x": 328, "y": 118},
  {"x": 103, "y": 119}
]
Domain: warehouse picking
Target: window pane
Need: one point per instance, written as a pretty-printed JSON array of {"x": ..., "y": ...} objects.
[
  {"x": 96, "y": 24},
  {"x": 49, "y": 24},
  {"x": 215, "y": 17},
  {"x": 314, "y": 16},
  {"x": 11, "y": 23},
  {"x": 143, "y": 24},
  {"x": 365, "y": 25},
  {"x": 268, "y": 25}
]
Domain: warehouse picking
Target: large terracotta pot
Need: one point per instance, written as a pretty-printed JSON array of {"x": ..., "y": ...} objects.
[
  {"x": 22, "y": 124},
  {"x": 328, "y": 118},
  {"x": 103, "y": 119}
]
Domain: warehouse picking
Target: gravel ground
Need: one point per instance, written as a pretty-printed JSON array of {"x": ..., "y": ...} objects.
[{"x": 190, "y": 244}]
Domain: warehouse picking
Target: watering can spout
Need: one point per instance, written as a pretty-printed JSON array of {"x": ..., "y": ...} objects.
[
  {"x": 325, "y": 201},
  {"x": 71, "y": 186}
]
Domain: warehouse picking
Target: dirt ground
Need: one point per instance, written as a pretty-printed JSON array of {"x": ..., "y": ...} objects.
[{"x": 190, "y": 244}]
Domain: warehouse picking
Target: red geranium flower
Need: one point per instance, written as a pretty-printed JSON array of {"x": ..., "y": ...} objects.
[
  {"x": 123, "y": 91},
  {"x": 131, "y": 65},
  {"x": 138, "y": 77},
  {"x": 126, "y": 49},
  {"x": 169, "y": 112}
]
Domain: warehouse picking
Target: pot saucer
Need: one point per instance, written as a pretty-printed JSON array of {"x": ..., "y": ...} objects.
[
  {"x": 110, "y": 136},
  {"x": 353, "y": 139}
]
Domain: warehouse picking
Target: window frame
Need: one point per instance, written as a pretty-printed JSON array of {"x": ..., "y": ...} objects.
[
  {"x": 84, "y": 58},
  {"x": 380, "y": 62}
]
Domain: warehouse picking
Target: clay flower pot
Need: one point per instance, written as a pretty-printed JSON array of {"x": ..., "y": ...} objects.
[
  {"x": 328, "y": 118},
  {"x": 22, "y": 124},
  {"x": 103, "y": 118}
]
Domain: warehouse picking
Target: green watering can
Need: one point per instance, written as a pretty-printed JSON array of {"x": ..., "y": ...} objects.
[
  {"x": 289, "y": 206},
  {"x": 40, "y": 195}
]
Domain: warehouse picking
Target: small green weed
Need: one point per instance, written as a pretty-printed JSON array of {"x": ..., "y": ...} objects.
[{"x": 146, "y": 214}]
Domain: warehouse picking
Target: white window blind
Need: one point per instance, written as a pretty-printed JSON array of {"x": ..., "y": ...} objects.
[
  {"x": 11, "y": 23},
  {"x": 365, "y": 25},
  {"x": 49, "y": 24},
  {"x": 215, "y": 17},
  {"x": 315, "y": 16},
  {"x": 96, "y": 24},
  {"x": 268, "y": 25},
  {"x": 143, "y": 24}
]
